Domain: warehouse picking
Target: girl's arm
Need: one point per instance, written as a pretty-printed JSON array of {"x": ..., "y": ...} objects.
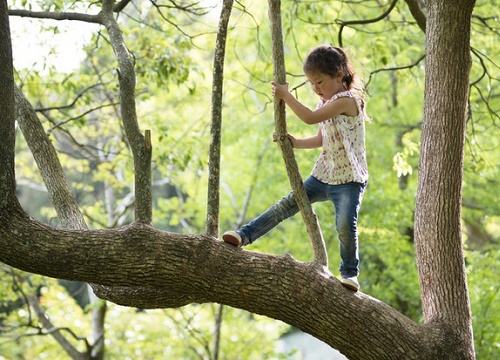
[
  {"x": 343, "y": 105},
  {"x": 311, "y": 142}
]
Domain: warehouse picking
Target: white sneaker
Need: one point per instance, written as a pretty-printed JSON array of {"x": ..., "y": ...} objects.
[
  {"x": 351, "y": 283},
  {"x": 233, "y": 238}
]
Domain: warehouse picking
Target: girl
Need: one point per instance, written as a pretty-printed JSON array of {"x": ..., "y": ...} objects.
[{"x": 340, "y": 173}]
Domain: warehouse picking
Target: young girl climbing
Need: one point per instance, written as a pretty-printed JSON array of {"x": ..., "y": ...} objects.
[{"x": 340, "y": 173}]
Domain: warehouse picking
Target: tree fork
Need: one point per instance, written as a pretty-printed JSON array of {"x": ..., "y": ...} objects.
[{"x": 300, "y": 196}]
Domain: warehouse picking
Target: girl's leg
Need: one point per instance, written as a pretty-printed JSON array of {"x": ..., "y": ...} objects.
[
  {"x": 282, "y": 210},
  {"x": 347, "y": 200}
]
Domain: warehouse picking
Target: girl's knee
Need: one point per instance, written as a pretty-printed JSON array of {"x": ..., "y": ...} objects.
[
  {"x": 285, "y": 206},
  {"x": 346, "y": 230}
]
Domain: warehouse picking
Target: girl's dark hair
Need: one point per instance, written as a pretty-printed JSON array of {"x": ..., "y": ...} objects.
[{"x": 330, "y": 60}]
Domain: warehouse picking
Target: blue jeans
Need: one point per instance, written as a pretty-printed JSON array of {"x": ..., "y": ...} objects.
[{"x": 347, "y": 201}]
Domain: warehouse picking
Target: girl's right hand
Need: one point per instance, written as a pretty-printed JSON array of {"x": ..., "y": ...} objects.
[{"x": 279, "y": 90}]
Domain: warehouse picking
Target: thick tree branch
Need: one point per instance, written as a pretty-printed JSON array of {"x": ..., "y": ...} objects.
[
  {"x": 48, "y": 164},
  {"x": 300, "y": 196},
  {"x": 174, "y": 270}
]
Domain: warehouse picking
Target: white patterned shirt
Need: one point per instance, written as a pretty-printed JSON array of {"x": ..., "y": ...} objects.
[{"x": 343, "y": 158}]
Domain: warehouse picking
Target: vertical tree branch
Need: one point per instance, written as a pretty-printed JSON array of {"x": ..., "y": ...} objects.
[
  {"x": 300, "y": 196},
  {"x": 139, "y": 144},
  {"x": 7, "y": 112},
  {"x": 218, "y": 326},
  {"x": 213, "y": 196},
  {"x": 98, "y": 320},
  {"x": 212, "y": 226}
]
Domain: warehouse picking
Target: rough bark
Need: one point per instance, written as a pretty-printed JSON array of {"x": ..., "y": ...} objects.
[
  {"x": 438, "y": 233},
  {"x": 308, "y": 215}
]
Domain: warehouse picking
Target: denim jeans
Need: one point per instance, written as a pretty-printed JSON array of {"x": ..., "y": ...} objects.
[{"x": 347, "y": 201}]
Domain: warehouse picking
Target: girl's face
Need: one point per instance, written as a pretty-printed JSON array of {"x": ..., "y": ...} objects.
[{"x": 324, "y": 85}]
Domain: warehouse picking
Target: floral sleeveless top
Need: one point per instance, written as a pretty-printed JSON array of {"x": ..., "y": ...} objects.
[{"x": 343, "y": 158}]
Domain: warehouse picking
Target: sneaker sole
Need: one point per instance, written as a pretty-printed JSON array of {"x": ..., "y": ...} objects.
[
  {"x": 229, "y": 239},
  {"x": 351, "y": 287}
]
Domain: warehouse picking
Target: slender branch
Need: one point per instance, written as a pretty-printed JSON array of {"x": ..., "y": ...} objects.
[
  {"x": 56, "y": 332},
  {"x": 140, "y": 148},
  {"x": 418, "y": 13},
  {"x": 483, "y": 66},
  {"x": 364, "y": 22},
  {"x": 491, "y": 111},
  {"x": 395, "y": 68},
  {"x": 119, "y": 6},
  {"x": 218, "y": 326},
  {"x": 71, "y": 104},
  {"x": 90, "y": 111},
  {"x": 300, "y": 196},
  {"x": 55, "y": 16},
  {"x": 213, "y": 198},
  {"x": 484, "y": 22},
  {"x": 95, "y": 19}
]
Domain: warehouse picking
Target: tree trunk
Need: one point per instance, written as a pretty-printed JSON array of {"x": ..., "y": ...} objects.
[
  {"x": 7, "y": 112},
  {"x": 438, "y": 233}
]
